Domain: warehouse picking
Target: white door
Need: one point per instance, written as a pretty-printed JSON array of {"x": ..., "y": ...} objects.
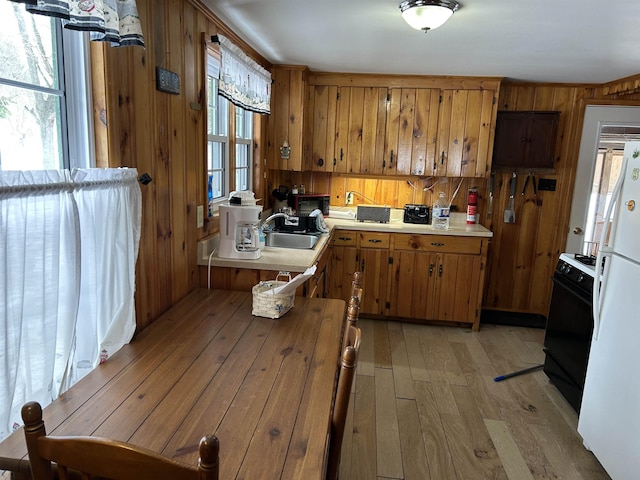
[{"x": 604, "y": 126}]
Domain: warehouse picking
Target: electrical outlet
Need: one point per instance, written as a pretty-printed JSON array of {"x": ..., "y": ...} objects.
[
  {"x": 200, "y": 215},
  {"x": 349, "y": 199}
]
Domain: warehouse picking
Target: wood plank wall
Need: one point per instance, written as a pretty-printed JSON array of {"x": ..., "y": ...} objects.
[{"x": 163, "y": 135}]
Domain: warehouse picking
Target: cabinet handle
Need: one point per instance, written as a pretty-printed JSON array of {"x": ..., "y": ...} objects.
[
  {"x": 374, "y": 240},
  {"x": 345, "y": 239},
  {"x": 341, "y": 154},
  {"x": 437, "y": 244},
  {"x": 335, "y": 161},
  {"x": 391, "y": 157},
  {"x": 320, "y": 162},
  {"x": 431, "y": 269},
  {"x": 440, "y": 271},
  {"x": 362, "y": 265},
  {"x": 442, "y": 158}
]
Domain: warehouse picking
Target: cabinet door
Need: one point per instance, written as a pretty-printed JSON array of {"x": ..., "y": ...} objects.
[
  {"x": 525, "y": 139},
  {"x": 374, "y": 264},
  {"x": 413, "y": 284},
  {"x": 465, "y": 127},
  {"x": 411, "y": 131},
  {"x": 361, "y": 122},
  {"x": 543, "y": 129},
  {"x": 286, "y": 124},
  {"x": 374, "y": 123},
  {"x": 323, "y": 133},
  {"x": 342, "y": 263},
  {"x": 458, "y": 278}
]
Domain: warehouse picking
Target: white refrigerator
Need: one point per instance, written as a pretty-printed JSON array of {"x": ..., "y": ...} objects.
[{"x": 609, "y": 420}]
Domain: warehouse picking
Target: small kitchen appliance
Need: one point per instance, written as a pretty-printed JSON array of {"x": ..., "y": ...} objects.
[
  {"x": 304, "y": 204},
  {"x": 416, "y": 214},
  {"x": 373, "y": 214},
  {"x": 239, "y": 232}
]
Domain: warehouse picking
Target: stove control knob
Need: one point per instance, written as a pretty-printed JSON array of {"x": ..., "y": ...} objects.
[
  {"x": 580, "y": 278},
  {"x": 567, "y": 269}
]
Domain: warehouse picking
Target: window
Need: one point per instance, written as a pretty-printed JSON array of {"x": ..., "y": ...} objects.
[
  {"x": 43, "y": 93},
  {"x": 244, "y": 141},
  {"x": 228, "y": 163}
]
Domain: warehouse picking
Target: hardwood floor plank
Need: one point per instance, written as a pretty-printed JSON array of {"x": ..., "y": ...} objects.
[
  {"x": 466, "y": 460},
  {"x": 381, "y": 348},
  {"x": 414, "y": 352},
  {"x": 403, "y": 382},
  {"x": 559, "y": 465},
  {"x": 363, "y": 447},
  {"x": 414, "y": 459},
  {"x": 514, "y": 464},
  {"x": 438, "y": 355},
  {"x": 435, "y": 442},
  {"x": 347, "y": 439},
  {"x": 389, "y": 457},
  {"x": 365, "y": 355},
  {"x": 485, "y": 460}
]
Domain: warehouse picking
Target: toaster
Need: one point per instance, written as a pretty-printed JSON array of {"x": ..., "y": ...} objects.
[{"x": 416, "y": 214}]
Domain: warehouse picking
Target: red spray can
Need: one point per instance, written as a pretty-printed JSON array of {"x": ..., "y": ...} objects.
[{"x": 472, "y": 206}]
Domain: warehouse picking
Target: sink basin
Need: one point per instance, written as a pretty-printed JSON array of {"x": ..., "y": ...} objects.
[{"x": 291, "y": 240}]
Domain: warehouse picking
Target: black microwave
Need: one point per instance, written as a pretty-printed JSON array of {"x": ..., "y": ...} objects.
[{"x": 305, "y": 203}]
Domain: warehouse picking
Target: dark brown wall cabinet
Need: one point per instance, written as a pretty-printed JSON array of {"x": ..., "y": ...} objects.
[{"x": 525, "y": 139}]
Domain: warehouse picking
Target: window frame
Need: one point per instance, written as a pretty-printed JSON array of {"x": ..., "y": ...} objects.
[
  {"x": 74, "y": 96},
  {"x": 231, "y": 140}
]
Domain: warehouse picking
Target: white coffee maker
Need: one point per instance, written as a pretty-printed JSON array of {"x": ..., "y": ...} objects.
[{"x": 239, "y": 227}]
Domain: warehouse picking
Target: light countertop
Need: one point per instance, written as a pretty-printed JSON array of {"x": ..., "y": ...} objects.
[{"x": 298, "y": 260}]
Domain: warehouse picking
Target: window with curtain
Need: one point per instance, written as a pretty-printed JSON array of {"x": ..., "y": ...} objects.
[
  {"x": 229, "y": 141},
  {"x": 69, "y": 235}
]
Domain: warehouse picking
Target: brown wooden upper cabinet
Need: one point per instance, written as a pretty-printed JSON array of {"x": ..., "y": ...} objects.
[
  {"x": 289, "y": 120},
  {"x": 525, "y": 139},
  {"x": 383, "y": 128}
]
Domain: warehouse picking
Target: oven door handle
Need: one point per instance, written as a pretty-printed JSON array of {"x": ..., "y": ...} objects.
[{"x": 573, "y": 290}]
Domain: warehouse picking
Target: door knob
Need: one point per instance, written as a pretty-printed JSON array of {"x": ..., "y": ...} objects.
[{"x": 577, "y": 230}]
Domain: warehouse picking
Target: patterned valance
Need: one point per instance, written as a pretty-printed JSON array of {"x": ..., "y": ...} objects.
[
  {"x": 114, "y": 21},
  {"x": 242, "y": 81}
]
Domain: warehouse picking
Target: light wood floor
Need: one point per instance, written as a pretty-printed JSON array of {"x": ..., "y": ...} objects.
[{"x": 425, "y": 406}]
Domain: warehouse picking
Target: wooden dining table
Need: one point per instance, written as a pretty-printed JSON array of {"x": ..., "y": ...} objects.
[{"x": 265, "y": 387}]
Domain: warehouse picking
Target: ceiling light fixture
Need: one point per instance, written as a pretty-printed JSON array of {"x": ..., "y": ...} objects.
[{"x": 427, "y": 14}]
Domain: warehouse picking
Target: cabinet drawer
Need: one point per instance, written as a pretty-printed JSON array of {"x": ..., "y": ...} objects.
[
  {"x": 374, "y": 240},
  {"x": 345, "y": 238},
  {"x": 438, "y": 243}
]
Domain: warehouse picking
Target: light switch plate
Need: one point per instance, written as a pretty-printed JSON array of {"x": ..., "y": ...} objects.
[
  {"x": 200, "y": 215},
  {"x": 167, "y": 81}
]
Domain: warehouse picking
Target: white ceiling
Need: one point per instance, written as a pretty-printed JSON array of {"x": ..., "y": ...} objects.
[{"x": 578, "y": 41}]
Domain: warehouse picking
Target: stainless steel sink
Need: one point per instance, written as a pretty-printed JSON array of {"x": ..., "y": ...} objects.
[{"x": 291, "y": 240}]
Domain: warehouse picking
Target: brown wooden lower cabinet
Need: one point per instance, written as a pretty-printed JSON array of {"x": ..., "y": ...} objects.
[{"x": 414, "y": 277}]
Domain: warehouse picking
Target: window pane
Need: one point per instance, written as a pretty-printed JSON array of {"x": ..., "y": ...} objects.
[
  {"x": 27, "y": 47},
  {"x": 244, "y": 123},
  {"x": 29, "y": 130},
  {"x": 242, "y": 178},
  {"x": 241, "y": 155}
]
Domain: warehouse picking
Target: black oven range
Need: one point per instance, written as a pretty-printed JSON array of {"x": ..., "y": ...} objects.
[{"x": 570, "y": 325}]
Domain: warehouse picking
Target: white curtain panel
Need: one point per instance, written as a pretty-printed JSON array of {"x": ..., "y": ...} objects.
[
  {"x": 68, "y": 246},
  {"x": 242, "y": 81},
  {"x": 114, "y": 21}
]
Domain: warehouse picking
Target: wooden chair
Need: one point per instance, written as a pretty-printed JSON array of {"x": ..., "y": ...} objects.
[
  {"x": 356, "y": 286},
  {"x": 94, "y": 457},
  {"x": 343, "y": 394}
]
